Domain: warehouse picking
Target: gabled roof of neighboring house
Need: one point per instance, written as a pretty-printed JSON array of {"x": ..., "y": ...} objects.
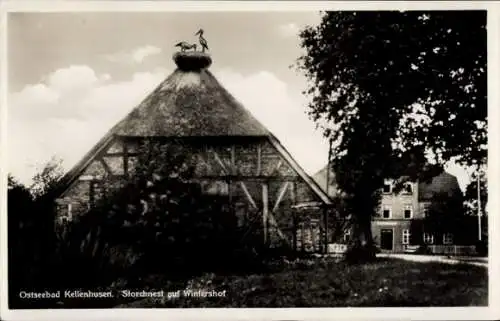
[
  {"x": 190, "y": 103},
  {"x": 444, "y": 183},
  {"x": 439, "y": 184},
  {"x": 320, "y": 177}
]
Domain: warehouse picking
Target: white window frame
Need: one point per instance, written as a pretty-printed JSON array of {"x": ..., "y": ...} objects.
[
  {"x": 405, "y": 237},
  {"x": 408, "y": 207},
  {"x": 447, "y": 238},
  {"x": 347, "y": 234},
  {"x": 389, "y": 208},
  {"x": 68, "y": 216},
  {"x": 70, "y": 211},
  {"x": 425, "y": 210},
  {"x": 428, "y": 238},
  {"x": 387, "y": 182}
]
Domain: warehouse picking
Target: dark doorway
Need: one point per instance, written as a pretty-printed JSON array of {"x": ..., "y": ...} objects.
[{"x": 386, "y": 239}]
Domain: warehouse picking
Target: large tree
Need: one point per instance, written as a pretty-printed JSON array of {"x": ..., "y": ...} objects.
[{"x": 393, "y": 89}]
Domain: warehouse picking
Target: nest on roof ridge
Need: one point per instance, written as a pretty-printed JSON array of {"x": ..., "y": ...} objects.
[{"x": 192, "y": 60}]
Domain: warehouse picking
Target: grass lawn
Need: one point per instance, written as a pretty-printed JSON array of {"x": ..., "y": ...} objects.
[{"x": 324, "y": 283}]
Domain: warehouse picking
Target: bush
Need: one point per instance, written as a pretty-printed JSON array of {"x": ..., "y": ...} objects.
[{"x": 158, "y": 221}]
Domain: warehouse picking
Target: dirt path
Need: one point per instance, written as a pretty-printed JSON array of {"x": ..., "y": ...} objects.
[{"x": 477, "y": 261}]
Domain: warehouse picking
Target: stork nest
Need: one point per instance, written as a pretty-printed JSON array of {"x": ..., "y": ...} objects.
[{"x": 192, "y": 60}]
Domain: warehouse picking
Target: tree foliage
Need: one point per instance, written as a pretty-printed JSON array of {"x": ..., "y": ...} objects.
[
  {"x": 158, "y": 220},
  {"x": 30, "y": 222},
  {"x": 47, "y": 179},
  {"x": 392, "y": 89},
  {"x": 471, "y": 194},
  {"x": 369, "y": 69}
]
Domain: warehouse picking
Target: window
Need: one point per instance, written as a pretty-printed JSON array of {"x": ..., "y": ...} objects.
[
  {"x": 428, "y": 238},
  {"x": 347, "y": 235},
  {"x": 96, "y": 192},
  {"x": 426, "y": 210},
  {"x": 408, "y": 188},
  {"x": 408, "y": 211},
  {"x": 67, "y": 216},
  {"x": 386, "y": 212},
  {"x": 387, "y": 187},
  {"x": 406, "y": 237},
  {"x": 447, "y": 238}
]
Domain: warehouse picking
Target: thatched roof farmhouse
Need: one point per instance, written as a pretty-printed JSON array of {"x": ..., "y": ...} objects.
[{"x": 234, "y": 149}]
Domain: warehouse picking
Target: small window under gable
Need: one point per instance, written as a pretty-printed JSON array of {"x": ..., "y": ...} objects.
[
  {"x": 408, "y": 188},
  {"x": 387, "y": 187}
]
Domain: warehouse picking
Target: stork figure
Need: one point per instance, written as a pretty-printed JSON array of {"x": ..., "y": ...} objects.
[
  {"x": 186, "y": 46},
  {"x": 203, "y": 41}
]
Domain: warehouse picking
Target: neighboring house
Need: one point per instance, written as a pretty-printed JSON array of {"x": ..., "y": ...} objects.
[
  {"x": 234, "y": 154},
  {"x": 400, "y": 225}
]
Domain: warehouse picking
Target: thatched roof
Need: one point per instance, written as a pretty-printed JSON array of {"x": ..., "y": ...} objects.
[{"x": 190, "y": 102}]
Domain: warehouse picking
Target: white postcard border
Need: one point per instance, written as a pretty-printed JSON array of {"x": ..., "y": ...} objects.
[{"x": 464, "y": 313}]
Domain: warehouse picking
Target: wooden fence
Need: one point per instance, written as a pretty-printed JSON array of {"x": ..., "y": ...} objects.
[{"x": 453, "y": 249}]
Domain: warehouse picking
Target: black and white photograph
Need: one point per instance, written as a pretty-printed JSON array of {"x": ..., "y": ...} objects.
[{"x": 186, "y": 159}]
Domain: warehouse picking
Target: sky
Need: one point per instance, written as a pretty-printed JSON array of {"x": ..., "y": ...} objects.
[{"x": 72, "y": 76}]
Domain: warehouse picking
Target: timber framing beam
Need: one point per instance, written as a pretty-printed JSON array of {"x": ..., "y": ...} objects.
[
  {"x": 277, "y": 178},
  {"x": 248, "y": 195},
  {"x": 221, "y": 163},
  {"x": 125, "y": 159},
  {"x": 259, "y": 160},
  {"x": 278, "y": 166},
  {"x": 106, "y": 167},
  {"x": 267, "y": 216},
  {"x": 233, "y": 160},
  {"x": 281, "y": 194},
  {"x": 265, "y": 211},
  {"x": 121, "y": 154}
]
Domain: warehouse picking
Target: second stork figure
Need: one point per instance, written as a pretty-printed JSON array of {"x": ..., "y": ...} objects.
[{"x": 203, "y": 41}]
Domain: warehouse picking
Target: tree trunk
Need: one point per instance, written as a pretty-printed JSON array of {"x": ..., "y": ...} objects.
[{"x": 361, "y": 246}]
